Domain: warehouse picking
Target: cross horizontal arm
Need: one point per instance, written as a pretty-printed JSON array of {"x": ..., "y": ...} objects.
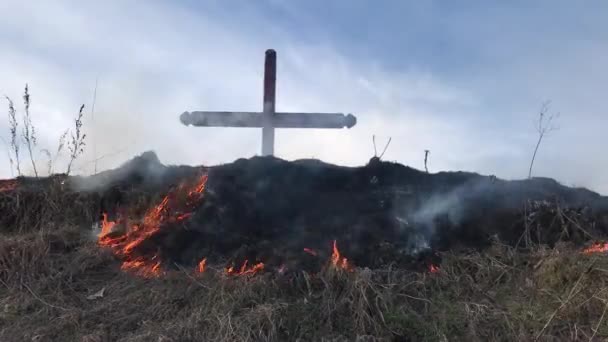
[{"x": 279, "y": 120}]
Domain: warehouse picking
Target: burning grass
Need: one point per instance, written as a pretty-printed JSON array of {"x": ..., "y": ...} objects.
[
  {"x": 245, "y": 277},
  {"x": 175, "y": 206},
  {"x": 58, "y": 285}
]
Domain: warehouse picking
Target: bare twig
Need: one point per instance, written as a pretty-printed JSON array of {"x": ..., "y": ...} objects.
[
  {"x": 544, "y": 126},
  {"x": 29, "y": 131},
  {"x": 385, "y": 147},
  {"x": 426, "y": 159},
  {"x": 374, "y": 142},
  {"x": 76, "y": 145},
  {"x": 13, "y": 124}
]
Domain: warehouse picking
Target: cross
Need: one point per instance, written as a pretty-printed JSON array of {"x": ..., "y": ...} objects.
[{"x": 268, "y": 119}]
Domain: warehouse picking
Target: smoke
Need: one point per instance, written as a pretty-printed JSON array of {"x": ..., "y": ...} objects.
[
  {"x": 449, "y": 209},
  {"x": 145, "y": 168}
]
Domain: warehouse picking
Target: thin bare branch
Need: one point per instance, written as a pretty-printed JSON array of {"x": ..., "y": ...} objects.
[
  {"x": 545, "y": 125},
  {"x": 29, "y": 131}
]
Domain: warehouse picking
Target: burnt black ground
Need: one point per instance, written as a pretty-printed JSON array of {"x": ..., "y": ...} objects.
[{"x": 268, "y": 209}]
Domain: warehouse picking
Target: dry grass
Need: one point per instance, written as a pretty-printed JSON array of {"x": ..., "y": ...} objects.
[
  {"x": 545, "y": 294},
  {"x": 50, "y": 266}
]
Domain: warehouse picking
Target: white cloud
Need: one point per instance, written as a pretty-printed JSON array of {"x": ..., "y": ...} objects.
[{"x": 157, "y": 61}]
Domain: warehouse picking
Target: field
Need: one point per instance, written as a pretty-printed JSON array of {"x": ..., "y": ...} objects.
[
  {"x": 59, "y": 283},
  {"x": 50, "y": 279}
]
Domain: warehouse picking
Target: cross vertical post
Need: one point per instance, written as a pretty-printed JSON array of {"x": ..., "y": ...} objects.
[{"x": 270, "y": 76}]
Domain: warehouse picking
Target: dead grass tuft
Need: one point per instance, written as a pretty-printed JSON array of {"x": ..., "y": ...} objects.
[{"x": 47, "y": 279}]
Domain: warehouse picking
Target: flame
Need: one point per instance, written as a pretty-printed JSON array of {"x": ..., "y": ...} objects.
[
  {"x": 244, "y": 269},
  {"x": 201, "y": 265},
  {"x": 337, "y": 260},
  {"x": 433, "y": 268},
  {"x": 143, "y": 267},
  {"x": 310, "y": 251},
  {"x": 8, "y": 185},
  {"x": 596, "y": 248},
  {"x": 170, "y": 210},
  {"x": 184, "y": 216},
  {"x": 106, "y": 226}
]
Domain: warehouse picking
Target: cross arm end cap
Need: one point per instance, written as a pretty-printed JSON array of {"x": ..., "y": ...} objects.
[
  {"x": 350, "y": 120},
  {"x": 185, "y": 118}
]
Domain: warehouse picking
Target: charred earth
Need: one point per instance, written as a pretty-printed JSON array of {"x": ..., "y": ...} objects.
[{"x": 287, "y": 215}]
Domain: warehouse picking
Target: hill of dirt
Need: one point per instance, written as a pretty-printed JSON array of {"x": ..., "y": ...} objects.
[{"x": 266, "y": 249}]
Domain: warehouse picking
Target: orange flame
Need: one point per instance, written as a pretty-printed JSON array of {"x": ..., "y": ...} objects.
[
  {"x": 201, "y": 265},
  {"x": 244, "y": 269},
  {"x": 106, "y": 226},
  {"x": 310, "y": 251},
  {"x": 143, "y": 267},
  {"x": 184, "y": 216},
  {"x": 337, "y": 260},
  {"x": 169, "y": 210},
  {"x": 596, "y": 248}
]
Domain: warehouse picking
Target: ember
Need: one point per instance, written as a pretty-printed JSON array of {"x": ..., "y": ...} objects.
[
  {"x": 337, "y": 260},
  {"x": 310, "y": 251},
  {"x": 597, "y": 248},
  {"x": 245, "y": 269},
  {"x": 201, "y": 265},
  {"x": 433, "y": 268},
  {"x": 143, "y": 267},
  {"x": 169, "y": 210}
]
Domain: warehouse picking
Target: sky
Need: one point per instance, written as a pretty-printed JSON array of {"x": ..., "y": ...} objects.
[{"x": 464, "y": 80}]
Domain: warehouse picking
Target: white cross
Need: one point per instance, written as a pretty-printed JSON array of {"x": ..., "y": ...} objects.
[{"x": 268, "y": 120}]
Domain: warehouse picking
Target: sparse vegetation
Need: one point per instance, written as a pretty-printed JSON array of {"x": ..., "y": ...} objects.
[
  {"x": 28, "y": 135},
  {"x": 383, "y": 151},
  {"x": 77, "y": 143},
  {"x": 14, "y": 142},
  {"x": 29, "y": 130},
  {"x": 544, "y": 126}
]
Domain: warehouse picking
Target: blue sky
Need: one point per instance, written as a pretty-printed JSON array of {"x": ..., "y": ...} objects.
[{"x": 464, "y": 80}]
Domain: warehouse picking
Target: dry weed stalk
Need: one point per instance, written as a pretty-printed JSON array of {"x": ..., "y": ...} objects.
[
  {"x": 29, "y": 131},
  {"x": 385, "y": 147},
  {"x": 52, "y": 161},
  {"x": 13, "y": 125},
  {"x": 28, "y": 136},
  {"x": 544, "y": 126},
  {"x": 77, "y": 143}
]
